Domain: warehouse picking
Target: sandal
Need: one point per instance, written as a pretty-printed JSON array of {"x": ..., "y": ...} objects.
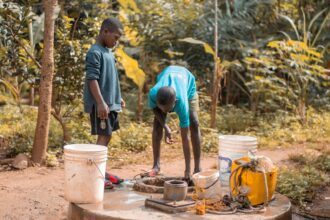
[
  {"x": 108, "y": 184},
  {"x": 150, "y": 173},
  {"x": 113, "y": 178}
]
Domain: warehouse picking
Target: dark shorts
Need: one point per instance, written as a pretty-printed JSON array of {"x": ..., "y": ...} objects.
[
  {"x": 194, "y": 103},
  {"x": 112, "y": 123}
]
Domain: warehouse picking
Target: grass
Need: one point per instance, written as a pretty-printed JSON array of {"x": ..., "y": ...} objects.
[
  {"x": 272, "y": 130},
  {"x": 308, "y": 177}
]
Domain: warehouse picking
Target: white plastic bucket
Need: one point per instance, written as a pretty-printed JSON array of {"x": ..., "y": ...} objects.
[
  {"x": 232, "y": 147},
  {"x": 209, "y": 183},
  {"x": 84, "y": 167}
]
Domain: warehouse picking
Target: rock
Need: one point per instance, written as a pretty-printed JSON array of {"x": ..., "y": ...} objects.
[{"x": 21, "y": 161}]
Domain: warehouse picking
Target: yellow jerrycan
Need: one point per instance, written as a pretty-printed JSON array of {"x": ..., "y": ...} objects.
[{"x": 255, "y": 177}]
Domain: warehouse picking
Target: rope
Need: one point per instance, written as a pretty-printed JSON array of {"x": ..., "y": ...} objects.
[
  {"x": 246, "y": 165},
  {"x": 91, "y": 161},
  {"x": 222, "y": 212},
  {"x": 209, "y": 185}
]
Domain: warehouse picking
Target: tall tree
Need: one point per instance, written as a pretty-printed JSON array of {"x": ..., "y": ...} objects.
[
  {"x": 216, "y": 81},
  {"x": 45, "y": 89}
]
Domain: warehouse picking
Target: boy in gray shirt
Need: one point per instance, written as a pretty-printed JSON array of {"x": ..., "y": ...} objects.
[{"x": 102, "y": 96}]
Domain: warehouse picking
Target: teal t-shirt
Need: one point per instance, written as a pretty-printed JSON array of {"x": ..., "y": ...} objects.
[
  {"x": 101, "y": 66},
  {"x": 183, "y": 82}
]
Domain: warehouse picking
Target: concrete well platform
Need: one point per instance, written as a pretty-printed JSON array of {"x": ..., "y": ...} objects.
[{"x": 127, "y": 204}]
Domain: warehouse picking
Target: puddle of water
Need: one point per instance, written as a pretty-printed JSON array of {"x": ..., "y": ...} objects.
[{"x": 123, "y": 200}]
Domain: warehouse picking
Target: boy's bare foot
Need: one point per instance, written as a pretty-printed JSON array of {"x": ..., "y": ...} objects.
[{"x": 151, "y": 173}]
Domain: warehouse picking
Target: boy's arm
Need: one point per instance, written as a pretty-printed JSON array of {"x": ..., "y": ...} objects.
[
  {"x": 93, "y": 66},
  {"x": 102, "y": 107},
  {"x": 161, "y": 117}
]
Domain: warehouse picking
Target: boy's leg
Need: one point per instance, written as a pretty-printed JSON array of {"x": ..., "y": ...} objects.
[
  {"x": 186, "y": 151},
  {"x": 157, "y": 135},
  {"x": 104, "y": 133},
  {"x": 103, "y": 140},
  {"x": 195, "y": 131},
  {"x": 195, "y": 140}
]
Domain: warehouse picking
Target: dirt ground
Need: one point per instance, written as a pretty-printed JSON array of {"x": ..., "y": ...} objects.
[{"x": 37, "y": 192}]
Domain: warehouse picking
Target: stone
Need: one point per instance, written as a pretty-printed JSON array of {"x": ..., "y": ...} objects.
[
  {"x": 123, "y": 203},
  {"x": 21, "y": 161}
]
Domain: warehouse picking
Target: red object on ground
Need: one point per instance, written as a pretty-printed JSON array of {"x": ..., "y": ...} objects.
[{"x": 113, "y": 178}]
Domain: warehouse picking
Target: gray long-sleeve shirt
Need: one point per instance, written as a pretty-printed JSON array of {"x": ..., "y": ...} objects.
[{"x": 100, "y": 66}]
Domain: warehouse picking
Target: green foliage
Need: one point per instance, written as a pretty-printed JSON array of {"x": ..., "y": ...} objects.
[
  {"x": 134, "y": 137},
  {"x": 156, "y": 32},
  {"x": 210, "y": 140},
  {"x": 17, "y": 125},
  {"x": 301, "y": 185},
  {"x": 51, "y": 160},
  {"x": 320, "y": 162},
  {"x": 234, "y": 120},
  {"x": 279, "y": 128},
  {"x": 15, "y": 44},
  {"x": 280, "y": 78},
  {"x": 79, "y": 126},
  {"x": 309, "y": 176}
]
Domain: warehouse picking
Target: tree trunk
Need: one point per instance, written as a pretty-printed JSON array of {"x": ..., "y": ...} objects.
[
  {"x": 215, "y": 96},
  {"x": 31, "y": 93},
  {"x": 139, "y": 105},
  {"x": 216, "y": 84},
  {"x": 302, "y": 111},
  {"x": 228, "y": 88},
  {"x": 45, "y": 89}
]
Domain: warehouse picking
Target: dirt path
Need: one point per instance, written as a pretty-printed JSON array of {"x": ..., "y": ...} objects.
[{"x": 37, "y": 192}]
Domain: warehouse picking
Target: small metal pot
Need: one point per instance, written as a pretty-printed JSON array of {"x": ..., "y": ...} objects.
[{"x": 175, "y": 190}]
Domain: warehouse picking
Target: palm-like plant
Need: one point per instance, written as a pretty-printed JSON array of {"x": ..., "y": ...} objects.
[{"x": 10, "y": 87}]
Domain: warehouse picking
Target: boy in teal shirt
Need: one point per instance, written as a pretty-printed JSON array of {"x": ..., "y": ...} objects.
[
  {"x": 175, "y": 91},
  {"x": 102, "y": 96}
]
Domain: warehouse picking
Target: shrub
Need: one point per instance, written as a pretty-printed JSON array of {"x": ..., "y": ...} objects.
[
  {"x": 135, "y": 137},
  {"x": 301, "y": 185}
]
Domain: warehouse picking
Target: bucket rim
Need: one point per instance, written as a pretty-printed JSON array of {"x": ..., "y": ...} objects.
[
  {"x": 237, "y": 138},
  {"x": 85, "y": 148},
  {"x": 215, "y": 173},
  {"x": 237, "y": 145}
]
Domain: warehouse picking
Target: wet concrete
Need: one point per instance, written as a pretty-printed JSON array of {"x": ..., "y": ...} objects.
[{"x": 127, "y": 204}]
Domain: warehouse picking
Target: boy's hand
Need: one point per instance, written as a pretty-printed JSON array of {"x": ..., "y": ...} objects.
[
  {"x": 123, "y": 104},
  {"x": 168, "y": 136},
  {"x": 102, "y": 110}
]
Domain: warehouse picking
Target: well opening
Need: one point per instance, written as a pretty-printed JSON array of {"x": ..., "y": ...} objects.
[{"x": 156, "y": 184}]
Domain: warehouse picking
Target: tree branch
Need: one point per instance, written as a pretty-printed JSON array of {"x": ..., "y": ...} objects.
[
  {"x": 28, "y": 53},
  {"x": 26, "y": 50}
]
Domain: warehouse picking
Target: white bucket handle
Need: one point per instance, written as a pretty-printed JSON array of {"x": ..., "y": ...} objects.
[
  {"x": 211, "y": 184},
  {"x": 91, "y": 161}
]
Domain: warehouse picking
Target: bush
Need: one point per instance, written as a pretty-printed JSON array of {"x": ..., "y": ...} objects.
[
  {"x": 301, "y": 185},
  {"x": 310, "y": 174},
  {"x": 80, "y": 128},
  {"x": 320, "y": 162},
  {"x": 135, "y": 137},
  {"x": 18, "y": 126},
  {"x": 210, "y": 140},
  {"x": 234, "y": 120}
]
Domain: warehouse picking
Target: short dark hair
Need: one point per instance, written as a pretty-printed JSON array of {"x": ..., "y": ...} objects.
[
  {"x": 165, "y": 95},
  {"x": 112, "y": 24}
]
